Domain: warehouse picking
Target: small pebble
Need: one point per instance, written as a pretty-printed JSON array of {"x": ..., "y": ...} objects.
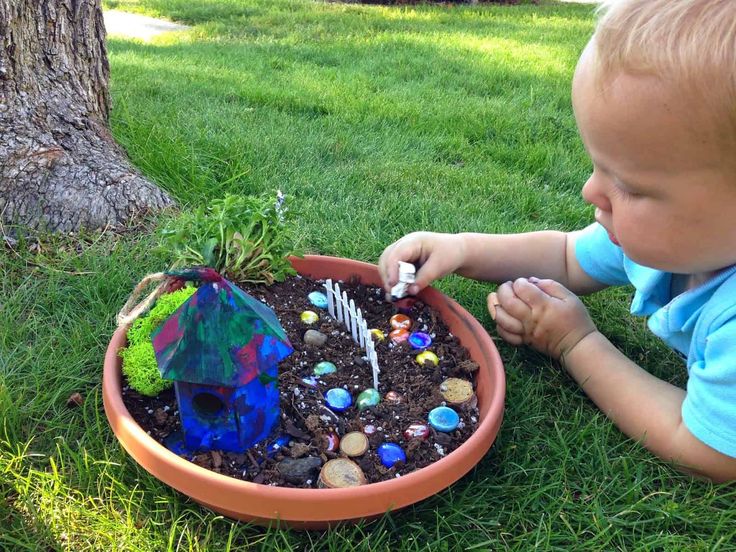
[
  {"x": 299, "y": 470},
  {"x": 390, "y": 454},
  {"x": 297, "y": 449},
  {"x": 318, "y": 299},
  {"x": 309, "y": 317},
  {"x": 75, "y": 399},
  {"x": 443, "y": 419},
  {"x": 313, "y": 337},
  {"x": 369, "y": 429}
]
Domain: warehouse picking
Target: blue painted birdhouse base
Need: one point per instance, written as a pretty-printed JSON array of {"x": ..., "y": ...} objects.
[
  {"x": 226, "y": 418},
  {"x": 176, "y": 443}
]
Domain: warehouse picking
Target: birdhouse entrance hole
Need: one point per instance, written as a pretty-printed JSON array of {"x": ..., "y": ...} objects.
[{"x": 207, "y": 404}]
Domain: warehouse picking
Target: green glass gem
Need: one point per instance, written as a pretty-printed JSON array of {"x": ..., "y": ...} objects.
[
  {"x": 324, "y": 367},
  {"x": 369, "y": 397}
]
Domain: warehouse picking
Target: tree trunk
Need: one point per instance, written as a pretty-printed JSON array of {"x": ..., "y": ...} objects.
[{"x": 60, "y": 168}]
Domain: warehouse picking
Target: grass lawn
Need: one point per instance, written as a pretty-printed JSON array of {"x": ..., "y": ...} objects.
[{"x": 376, "y": 121}]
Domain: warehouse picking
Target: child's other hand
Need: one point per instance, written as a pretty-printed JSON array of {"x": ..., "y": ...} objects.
[
  {"x": 540, "y": 313},
  {"x": 435, "y": 255}
]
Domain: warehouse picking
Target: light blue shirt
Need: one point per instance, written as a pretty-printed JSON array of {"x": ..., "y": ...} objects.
[{"x": 699, "y": 322}]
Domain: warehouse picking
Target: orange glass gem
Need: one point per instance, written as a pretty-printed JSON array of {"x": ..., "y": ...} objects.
[
  {"x": 400, "y": 321},
  {"x": 399, "y": 336}
]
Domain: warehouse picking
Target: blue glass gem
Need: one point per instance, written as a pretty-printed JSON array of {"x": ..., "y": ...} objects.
[
  {"x": 324, "y": 367},
  {"x": 420, "y": 340},
  {"x": 366, "y": 399},
  {"x": 318, "y": 299},
  {"x": 390, "y": 453},
  {"x": 443, "y": 419},
  {"x": 277, "y": 444},
  {"x": 338, "y": 399}
]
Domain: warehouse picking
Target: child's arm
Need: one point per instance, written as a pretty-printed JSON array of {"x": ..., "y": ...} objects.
[
  {"x": 643, "y": 407},
  {"x": 491, "y": 257},
  {"x": 548, "y": 317}
]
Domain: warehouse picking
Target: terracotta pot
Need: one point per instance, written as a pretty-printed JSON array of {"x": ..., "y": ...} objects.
[{"x": 321, "y": 508}]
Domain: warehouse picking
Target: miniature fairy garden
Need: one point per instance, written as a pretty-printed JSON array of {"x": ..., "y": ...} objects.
[{"x": 244, "y": 367}]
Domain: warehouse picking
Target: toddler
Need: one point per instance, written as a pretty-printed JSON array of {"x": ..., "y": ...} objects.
[{"x": 654, "y": 96}]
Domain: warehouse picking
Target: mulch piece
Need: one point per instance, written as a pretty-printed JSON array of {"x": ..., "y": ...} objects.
[{"x": 305, "y": 419}]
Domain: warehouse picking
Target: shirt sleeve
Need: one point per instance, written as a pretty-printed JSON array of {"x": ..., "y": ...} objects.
[
  {"x": 599, "y": 257},
  {"x": 709, "y": 409}
]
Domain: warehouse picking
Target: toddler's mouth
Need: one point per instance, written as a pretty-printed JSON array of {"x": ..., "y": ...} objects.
[{"x": 613, "y": 238}]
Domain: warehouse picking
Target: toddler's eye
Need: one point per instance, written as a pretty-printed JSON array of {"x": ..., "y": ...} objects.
[{"x": 625, "y": 191}]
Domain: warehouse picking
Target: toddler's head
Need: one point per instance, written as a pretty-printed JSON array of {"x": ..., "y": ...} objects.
[{"x": 655, "y": 100}]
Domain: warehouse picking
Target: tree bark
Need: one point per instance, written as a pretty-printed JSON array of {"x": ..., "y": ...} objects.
[{"x": 60, "y": 168}]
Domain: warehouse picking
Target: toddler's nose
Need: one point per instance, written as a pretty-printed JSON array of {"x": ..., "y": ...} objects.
[{"x": 594, "y": 193}]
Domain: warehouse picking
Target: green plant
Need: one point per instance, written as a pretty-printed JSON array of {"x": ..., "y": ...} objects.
[
  {"x": 139, "y": 360},
  {"x": 245, "y": 238}
]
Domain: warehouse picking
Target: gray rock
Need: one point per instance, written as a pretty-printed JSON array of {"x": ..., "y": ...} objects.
[
  {"x": 299, "y": 470},
  {"x": 313, "y": 337}
]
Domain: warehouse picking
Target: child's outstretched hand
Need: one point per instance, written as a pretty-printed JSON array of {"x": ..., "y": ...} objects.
[
  {"x": 435, "y": 255},
  {"x": 540, "y": 313}
]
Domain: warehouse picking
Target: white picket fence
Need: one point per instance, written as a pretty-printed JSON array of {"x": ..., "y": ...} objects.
[{"x": 343, "y": 310}]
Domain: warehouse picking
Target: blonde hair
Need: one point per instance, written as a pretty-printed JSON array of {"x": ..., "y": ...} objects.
[{"x": 687, "y": 44}]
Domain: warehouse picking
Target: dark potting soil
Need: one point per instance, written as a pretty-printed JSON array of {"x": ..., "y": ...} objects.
[{"x": 310, "y": 426}]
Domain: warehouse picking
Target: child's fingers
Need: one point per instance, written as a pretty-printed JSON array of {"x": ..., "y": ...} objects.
[
  {"x": 432, "y": 269},
  {"x": 507, "y": 322},
  {"x": 388, "y": 264},
  {"x": 552, "y": 288},
  {"x": 501, "y": 316},
  {"x": 529, "y": 293},
  {"x": 389, "y": 271},
  {"x": 512, "y": 304},
  {"x": 510, "y": 337}
]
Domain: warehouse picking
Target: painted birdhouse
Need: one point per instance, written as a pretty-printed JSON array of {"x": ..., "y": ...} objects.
[{"x": 222, "y": 348}]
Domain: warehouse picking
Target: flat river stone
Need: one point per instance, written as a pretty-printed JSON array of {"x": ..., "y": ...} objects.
[{"x": 300, "y": 470}]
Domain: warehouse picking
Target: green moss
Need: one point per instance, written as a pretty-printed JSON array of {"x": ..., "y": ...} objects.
[{"x": 139, "y": 360}]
